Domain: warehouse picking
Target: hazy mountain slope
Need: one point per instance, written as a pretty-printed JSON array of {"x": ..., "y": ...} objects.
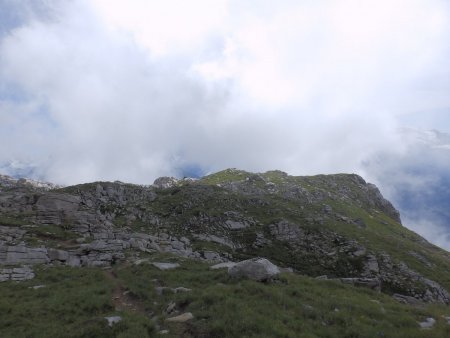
[{"x": 417, "y": 180}]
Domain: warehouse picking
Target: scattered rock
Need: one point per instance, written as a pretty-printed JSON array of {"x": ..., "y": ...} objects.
[
  {"x": 212, "y": 256},
  {"x": 371, "y": 283},
  {"x": 37, "y": 287},
  {"x": 222, "y": 265},
  {"x": 406, "y": 299},
  {"x": 428, "y": 323},
  {"x": 113, "y": 320},
  {"x": 323, "y": 277},
  {"x": 234, "y": 225},
  {"x": 181, "y": 318},
  {"x": 166, "y": 266},
  {"x": 160, "y": 289},
  {"x": 181, "y": 289},
  {"x": 170, "y": 308},
  {"x": 141, "y": 261}
]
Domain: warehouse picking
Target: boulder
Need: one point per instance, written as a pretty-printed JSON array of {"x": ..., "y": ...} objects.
[{"x": 259, "y": 269}]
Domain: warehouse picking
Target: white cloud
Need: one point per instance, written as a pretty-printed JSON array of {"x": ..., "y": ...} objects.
[
  {"x": 133, "y": 90},
  {"x": 307, "y": 87}
]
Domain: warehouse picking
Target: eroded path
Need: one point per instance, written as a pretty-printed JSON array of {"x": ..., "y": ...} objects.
[{"x": 122, "y": 298}]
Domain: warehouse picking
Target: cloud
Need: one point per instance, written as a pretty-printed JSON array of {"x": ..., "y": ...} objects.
[
  {"x": 99, "y": 89},
  {"x": 417, "y": 180}
]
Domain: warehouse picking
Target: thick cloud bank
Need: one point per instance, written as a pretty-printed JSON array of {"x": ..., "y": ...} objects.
[{"x": 110, "y": 90}]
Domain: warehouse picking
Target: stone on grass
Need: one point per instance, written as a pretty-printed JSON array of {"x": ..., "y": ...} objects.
[
  {"x": 165, "y": 266},
  {"x": 428, "y": 323},
  {"x": 259, "y": 269},
  {"x": 222, "y": 265},
  {"x": 113, "y": 320},
  {"x": 181, "y": 289},
  {"x": 37, "y": 287},
  {"x": 181, "y": 318}
]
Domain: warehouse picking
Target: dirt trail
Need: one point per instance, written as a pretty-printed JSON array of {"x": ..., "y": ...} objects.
[{"x": 123, "y": 299}]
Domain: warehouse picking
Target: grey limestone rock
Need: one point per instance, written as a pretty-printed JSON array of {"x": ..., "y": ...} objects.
[
  {"x": 235, "y": 225},
  {"x": 181, "y": 318},
  {"x": 259, "y": 269},
  {"x": 20, "y": 254},
  {"x": 371, "y": 283},
  {"x": 406, "y": 299},
  {"x": 212, "y": 256},
  {"x": 165, "y": 266},
  {"x": 427, "y": 323},
  {"x": 165, "y": 182},
  {"x": 113, "y": 320},
  {"x": 58, "y": 255},
  {"x": 223, "y": 265},
  {"x": 371, "y": 267},
  {"x": 17, "y": 274},
  {"x": 11, "y": 234}
]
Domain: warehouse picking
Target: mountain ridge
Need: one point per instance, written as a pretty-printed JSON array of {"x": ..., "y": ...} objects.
[{"x": 336, "y": 227}]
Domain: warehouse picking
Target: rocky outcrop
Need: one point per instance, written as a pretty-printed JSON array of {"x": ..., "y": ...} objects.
[
  {"x": 11, "y": 234},
  {"x": 399, "y": 278},
  {"x": 165, "y": 182},
  {"x": 21, "y": 254},
  {"x": 16, "y": 274}
]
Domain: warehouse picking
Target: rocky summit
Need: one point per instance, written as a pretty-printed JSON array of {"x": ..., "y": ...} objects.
[{"x": 231, "y": 254}]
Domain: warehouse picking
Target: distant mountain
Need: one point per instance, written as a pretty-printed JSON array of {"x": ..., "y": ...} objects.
[{"x": 19, "y": 169}]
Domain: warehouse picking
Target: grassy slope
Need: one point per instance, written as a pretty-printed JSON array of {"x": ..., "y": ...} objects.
[
  {"x": 382, "y": 233},
  {"x": 74, "y": 302}
]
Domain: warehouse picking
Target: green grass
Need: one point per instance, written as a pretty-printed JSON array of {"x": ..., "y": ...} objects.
[
  {"x": 73, "y": 303},
  {"x": 227, "y": 175},
  {"x": 295, "y": 306},
  {"x": 12, "y": 220}
]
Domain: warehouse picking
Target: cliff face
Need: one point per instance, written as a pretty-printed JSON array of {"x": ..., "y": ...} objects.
[{"x": 333, "y": 226}]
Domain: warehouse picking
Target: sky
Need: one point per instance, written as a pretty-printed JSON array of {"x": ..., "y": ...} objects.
[{"x": 115, "y": 90}]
